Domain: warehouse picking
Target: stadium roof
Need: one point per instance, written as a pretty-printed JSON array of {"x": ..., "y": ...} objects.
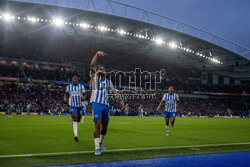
[{"x": 172, "y": 41}]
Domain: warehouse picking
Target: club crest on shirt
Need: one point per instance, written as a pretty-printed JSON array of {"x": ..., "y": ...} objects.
[{"x": 103, "y": 84}]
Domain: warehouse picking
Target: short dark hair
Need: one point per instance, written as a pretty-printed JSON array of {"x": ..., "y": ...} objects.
[
  {"x": 75, "y": 76},
  {"x": 171, "y": 86},
  {"x": 100, "y": 65}
]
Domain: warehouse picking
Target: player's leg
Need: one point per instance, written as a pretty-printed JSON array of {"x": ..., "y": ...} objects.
[
  {"x": 105, "y": 122},
  {"x": 97, "y": 113},
  {"x": 79, "y": 116},
  {"x": 104, "y": 129},
  {"x": 97, "y": 133},
  {"x": 172, "y": 119},
  {"x": 167, "y": 122},
  {"x": 82, "y": 117},
  {"x": 74, "y": 116},
  {"x": 82, "y": 114}
]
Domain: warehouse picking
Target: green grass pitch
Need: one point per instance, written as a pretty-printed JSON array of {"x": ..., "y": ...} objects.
[{"x": 54, "y": 134}]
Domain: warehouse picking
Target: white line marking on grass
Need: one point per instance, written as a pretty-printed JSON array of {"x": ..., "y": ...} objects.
[
  {"x": 196, "y": 149},
  {"x": 120, "y": 150}
]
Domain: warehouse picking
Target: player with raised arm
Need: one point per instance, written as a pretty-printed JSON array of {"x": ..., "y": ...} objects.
[
  {"x": 171, "y": 100},
  {"x": 74, "y": 95},
  {"x": 101, "y": 88}
]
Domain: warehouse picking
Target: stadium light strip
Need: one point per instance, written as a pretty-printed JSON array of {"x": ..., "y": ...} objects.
[{"x": 59, "y": 22}]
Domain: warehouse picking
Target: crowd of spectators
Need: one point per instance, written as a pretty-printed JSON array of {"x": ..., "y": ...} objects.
[
  {"x": 42, "y": 98},
  {"x": 61, "y": 74},
  {"x": 190, "y": 106},
  {"x": 49, "y": 99}
]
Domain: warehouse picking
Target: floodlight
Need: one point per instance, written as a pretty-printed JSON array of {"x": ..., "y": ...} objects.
[
  {"x": 7, "y": 17},
  {"x": 58, "y": 22},
  {"x": 172, "y": 45},
  {"x": 159, "y": 41}
]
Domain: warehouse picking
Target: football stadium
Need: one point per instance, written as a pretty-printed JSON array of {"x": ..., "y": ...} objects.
[{"x": 109, "y": 83}]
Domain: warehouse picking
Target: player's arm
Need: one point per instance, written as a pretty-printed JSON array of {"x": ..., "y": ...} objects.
[
  {"x": 158, "y": 108},
  {"x": 177, "y": 104},
  {"x": 116, "y": 94},
  {"x": 83, "y": 97},
  {"x": 162, "y": 101},
  {"x": 66, "y": 95},
  {"x": 87, "y": 107},
  {"x": 94, "y": 60}
]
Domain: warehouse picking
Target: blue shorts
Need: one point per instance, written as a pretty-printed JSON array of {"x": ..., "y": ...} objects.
[
  {"x": 169, "y": 114},
  {"x": 77, "y": 110},
  {"x": 100, "y": 111}
]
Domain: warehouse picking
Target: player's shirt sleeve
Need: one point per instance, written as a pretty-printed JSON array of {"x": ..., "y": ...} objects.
[
  {"x": 93, "y": 80},
  {"x": 67, "y": 89},
  {"x": 83, "y": 90},
  {"x": 93, "y": 75}
]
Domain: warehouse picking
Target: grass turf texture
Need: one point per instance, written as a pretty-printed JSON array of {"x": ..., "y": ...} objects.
[{"x": 51, "y": 134}]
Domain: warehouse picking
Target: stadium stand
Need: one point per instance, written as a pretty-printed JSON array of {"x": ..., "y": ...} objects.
[
  {"x": 45, "y": 97},
  {"x": 43, "y": 85}
]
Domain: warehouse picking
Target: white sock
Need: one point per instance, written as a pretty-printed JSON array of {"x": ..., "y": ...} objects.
[
  {"x": 102, "y": 138},
  {"x": 75, "y": 128},
  {"x": 97, "y": 143},
  {"x": 167, "y": 128},
  {"x": 82, "y": 118}
]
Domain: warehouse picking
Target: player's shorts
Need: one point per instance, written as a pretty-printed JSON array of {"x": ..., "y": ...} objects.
[
  {"x": 169, "y": 114},
  {"x": 77, "y": 110},
  {"x": 100, "y": 111}
]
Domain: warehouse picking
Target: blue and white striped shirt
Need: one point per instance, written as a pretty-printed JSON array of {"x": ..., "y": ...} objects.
[
  {"x": 170, "y": 100},
  {"x": 101, "y": 88},
  {"x": 75, "y": 93}
]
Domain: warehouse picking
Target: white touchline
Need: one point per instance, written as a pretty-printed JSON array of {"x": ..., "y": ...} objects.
[{"x": 119, "y": 150}]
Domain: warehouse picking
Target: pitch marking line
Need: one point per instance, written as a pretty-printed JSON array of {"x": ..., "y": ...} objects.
[
  {"x": 196, "y": 149},
  {"x": 120, "y": 150}
]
